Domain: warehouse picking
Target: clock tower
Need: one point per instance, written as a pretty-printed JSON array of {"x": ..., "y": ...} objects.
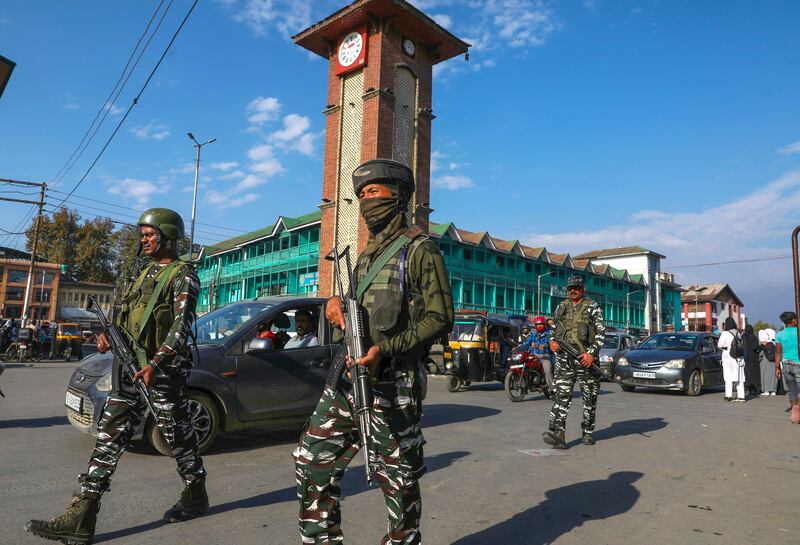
[{"x": 380, "y": 55}]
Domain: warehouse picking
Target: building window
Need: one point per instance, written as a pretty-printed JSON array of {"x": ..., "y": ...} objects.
[
  {"x": 499, "y": 300},
  {"x": 528, "y": 267},
  {"x": 13, "y": 311},
  {"x": 498, "y": 260},
  {"x": 15, "y": 294},
  {"x": 41, "y": 296},
  {"x": 18, "y": 276},
  {"x": 467, "y": 255}
]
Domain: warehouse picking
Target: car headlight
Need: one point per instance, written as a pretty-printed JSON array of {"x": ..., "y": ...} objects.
[
  {"x": 606, "y": 359},
  {"x": 449, "y": 365},
  {"x": 675, "y": 364},
  {"x": 622, "y": 362},
  {"x": 104, "y": 384}
]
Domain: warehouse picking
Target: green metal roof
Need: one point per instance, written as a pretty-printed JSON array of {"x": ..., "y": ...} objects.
[{"x": 289, "y": 222}]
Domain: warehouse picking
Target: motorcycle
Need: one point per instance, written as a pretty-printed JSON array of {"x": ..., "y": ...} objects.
[{"x": 525, "y": 375}]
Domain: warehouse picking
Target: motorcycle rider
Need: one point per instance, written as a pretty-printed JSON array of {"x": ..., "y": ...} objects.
[{"x": 538, "y": 342}]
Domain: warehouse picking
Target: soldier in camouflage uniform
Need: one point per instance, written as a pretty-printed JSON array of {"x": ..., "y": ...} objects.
[
  {"x": 158, "y": 310},
  {"x": 580, "y": 322},
  {"x": 408, "y": 306}
]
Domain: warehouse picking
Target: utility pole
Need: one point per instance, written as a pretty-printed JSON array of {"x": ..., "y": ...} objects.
[
  {"x": 199, "y": 146},
  {"x": 40, "y": 203},
  {"x": 539, "y": 292},
  {"x": 628, "y": 309}
]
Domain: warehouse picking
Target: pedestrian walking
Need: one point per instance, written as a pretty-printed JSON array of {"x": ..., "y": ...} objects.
[
  {"x": 158, "y": 311},
  {"x": 787, "y": 362},
  {"x": 732, "y": 360},
  {"x": 408, "y": 306},
  {"x": 766, "y": 360},
  {"x": 752, "y": 369},
  {"x": 580, "y": 322}
]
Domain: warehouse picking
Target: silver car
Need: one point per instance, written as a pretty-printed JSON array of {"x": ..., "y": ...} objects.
[{"x": 615, "y": 346}]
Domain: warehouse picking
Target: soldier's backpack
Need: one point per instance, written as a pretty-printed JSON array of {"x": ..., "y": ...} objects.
[{"x": 736, "y": 350}]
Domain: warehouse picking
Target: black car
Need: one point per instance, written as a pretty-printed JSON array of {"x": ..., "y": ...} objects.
[
  {"x": 232, "y": 386},
  {"x": 687, "y": 361}
]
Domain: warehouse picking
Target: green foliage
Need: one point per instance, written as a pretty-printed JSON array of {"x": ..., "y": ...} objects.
[
  {"x": 759, "y": 325},
  {"x": 126, "y": 246}
]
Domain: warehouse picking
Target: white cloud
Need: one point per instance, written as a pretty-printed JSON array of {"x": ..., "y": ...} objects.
[
  {"x": 139, "y": 191},
  {"x": 794, "y": 147},
  {"x": 750, "y": 226},
  {"x": 188, "y": 168},
  {"x": 232, "y": 175},
  {"x": 225, "y": 200},
  {"x": 262, "y": 109},
  {"x": 71, "y": 106},
  {"x": 443, "y": 20},
  {"x": 264, "y": 163},
  {"x": 112, "y": 108},
  {"x": 294, "y": 135},
  {"x": 522, "y": 23},
  {"x": 638, "y": 10},
  {"x": 154, "y": 130},
  {"x": 436, "y": 158},
  {"x": 224, "y": 166},
  {"x": 452, "y": 182},
  {"x": 287, "y": 16}
]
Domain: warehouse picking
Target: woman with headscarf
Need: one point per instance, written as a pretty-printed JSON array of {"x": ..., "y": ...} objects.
[
  {"x": 752, "y": 370},
  {"x": 732, "y": 366},
  {"x": 766, "y": 357}
]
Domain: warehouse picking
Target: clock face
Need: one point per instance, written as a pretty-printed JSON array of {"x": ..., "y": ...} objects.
[
  {"x": 350, "y": 49},
  {"x": 409, "y": 47}
]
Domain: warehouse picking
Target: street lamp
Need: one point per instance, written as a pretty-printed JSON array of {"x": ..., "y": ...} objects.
[
  {"x": 199, "y": 146},
  {"x": 539, "y": 292},
  {"x": 628, "y": 309}
]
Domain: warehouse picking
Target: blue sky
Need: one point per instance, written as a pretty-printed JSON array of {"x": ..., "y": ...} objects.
[{"x": 574, "y": 125}]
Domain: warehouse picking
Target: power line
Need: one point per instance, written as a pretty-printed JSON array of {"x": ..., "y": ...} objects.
[
  {"x": 109, "y": 102},
  {"x": 773, "y": 258},
  {"x": 139, "y": 210},
  {"x": 135, "y": 101}
]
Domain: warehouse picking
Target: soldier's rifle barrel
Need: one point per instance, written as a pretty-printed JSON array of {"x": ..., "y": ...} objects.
[{"x": 575, "y": 354}]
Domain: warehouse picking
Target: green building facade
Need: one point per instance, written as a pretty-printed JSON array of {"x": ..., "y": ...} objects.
[{"x": 486, "y": 273}]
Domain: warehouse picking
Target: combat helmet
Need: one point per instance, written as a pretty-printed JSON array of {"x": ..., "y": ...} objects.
[
  {"x": 384, "y": 171},
  {"x": 168, "y": 222},
  {"x": 576, "y": 280}
]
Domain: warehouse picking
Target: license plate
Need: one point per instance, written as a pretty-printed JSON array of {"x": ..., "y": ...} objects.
[
  {"x": 447, "y": 355},
  {"x": 517, "y": 366},
  {"x": 74, "y": 402},
  {"x": 642, "y": 374}
]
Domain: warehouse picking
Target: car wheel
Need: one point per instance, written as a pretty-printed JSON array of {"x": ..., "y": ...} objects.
[
  {"x": 628, "y": 388},
  {"x": 453, "y": 383},
  {"x": 695, "y": 384},
  {"x": 206, "y": 424}
]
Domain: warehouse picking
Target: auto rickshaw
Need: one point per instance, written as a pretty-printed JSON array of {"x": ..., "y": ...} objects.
[
  {"x": 475, "y": 350},
  {"x": 67, "y": 341}
]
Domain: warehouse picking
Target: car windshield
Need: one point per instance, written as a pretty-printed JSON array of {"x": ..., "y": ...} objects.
[
  {"x": 467, "y": 330},
  {"x": 611, "y": 341},
  {"x": 669, "y": 342},
  {"x": 215, "y": 327},
  {"x": 70, "y": 331}
]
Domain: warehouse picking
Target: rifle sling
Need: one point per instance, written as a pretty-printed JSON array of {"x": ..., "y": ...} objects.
[{"x": 384, "y": 258}]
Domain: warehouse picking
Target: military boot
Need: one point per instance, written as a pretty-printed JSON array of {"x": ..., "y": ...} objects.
[
  {"x": 555, "y": 440},
  {"x": 587, "y": 439},
  {"x": 75, "y": 526},
  {"x": 193, "y": 503}
]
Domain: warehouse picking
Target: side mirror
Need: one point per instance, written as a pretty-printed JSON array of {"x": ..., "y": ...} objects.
[{"x": 259, "y": 346}]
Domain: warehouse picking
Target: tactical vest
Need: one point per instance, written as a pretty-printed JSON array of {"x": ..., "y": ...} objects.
[
  {"x": 151, "y": 334},
  {"x": 391, "y": 305},
  {"x": 574, "y": 324}
]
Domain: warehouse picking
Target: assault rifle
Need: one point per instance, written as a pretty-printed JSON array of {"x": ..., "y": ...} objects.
[
  {"x": 354, "y": 346},
  {"x": 122, "y": 351},
  {"x": 575, "y": 354}
]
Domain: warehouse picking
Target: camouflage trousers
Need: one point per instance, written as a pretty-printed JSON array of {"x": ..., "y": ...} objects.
[
  {"x": 567, "y": 372},
  {"x": 331, "y": 440},
  {"x": 122, "y": 414}
]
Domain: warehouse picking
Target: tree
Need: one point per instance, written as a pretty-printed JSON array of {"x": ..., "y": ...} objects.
[
  {"x": 85, "y": 248},
  {"x": 759, "y": 325}
]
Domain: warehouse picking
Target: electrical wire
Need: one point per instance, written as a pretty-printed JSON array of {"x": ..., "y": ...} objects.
[
  {"x": 109, "y": 102},
  {"x": 138, "y": 210},
  {"x": 135, "y": 101},
  {"x": 773, "y": 258}
]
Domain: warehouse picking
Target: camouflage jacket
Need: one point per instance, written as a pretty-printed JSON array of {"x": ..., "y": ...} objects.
[{"x": 572, "y": 319}]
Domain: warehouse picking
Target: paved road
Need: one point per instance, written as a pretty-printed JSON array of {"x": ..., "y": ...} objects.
[{"x": 667, "y": 469}]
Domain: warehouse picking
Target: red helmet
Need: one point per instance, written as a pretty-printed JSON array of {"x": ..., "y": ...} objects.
[{"x": 539, "y": 320}]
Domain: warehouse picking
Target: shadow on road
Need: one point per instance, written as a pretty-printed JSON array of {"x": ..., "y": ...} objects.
[
  {"x": 627, "y": 427},
  {"x": 34, "y": 422},
  {"x": 563, "y": 510},
  {"x": 451, "y": 413},
  {"x": 353, "y": 483}
]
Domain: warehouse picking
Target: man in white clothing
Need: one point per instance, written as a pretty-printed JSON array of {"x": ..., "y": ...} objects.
[{"x": 732, "y": 363}]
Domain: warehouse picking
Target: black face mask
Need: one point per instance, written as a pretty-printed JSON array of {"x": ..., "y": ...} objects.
[{"x": 378, "y": 212}]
